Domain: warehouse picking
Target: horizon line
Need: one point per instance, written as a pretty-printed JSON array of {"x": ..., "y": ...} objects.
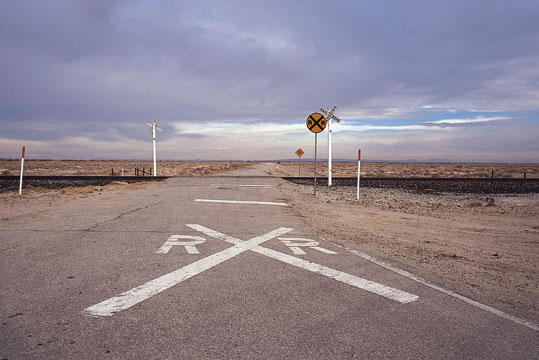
[{"x": 427, "y": 161}]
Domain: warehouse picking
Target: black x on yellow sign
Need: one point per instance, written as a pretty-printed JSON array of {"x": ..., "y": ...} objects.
[{"x": 316, "y": 122}]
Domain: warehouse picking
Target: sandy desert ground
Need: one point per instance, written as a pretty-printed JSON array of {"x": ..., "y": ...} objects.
[
  {"x": 99, "y": 167},
  {"x": 439, "y": 170},
  {"x": 293, "y": 168},
  {"x": 483, "y": 246}
]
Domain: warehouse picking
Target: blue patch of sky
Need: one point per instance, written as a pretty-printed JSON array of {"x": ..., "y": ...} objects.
[
  {"x": 420, "y": 117},
  {"x": 528, "y": 116},
  {"x": 432, "y": 115}
]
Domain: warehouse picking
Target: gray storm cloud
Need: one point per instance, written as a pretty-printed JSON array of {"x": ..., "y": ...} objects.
[{"x": 101, "y": 69}]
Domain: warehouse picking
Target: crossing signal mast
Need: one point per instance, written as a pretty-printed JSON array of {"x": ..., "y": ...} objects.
[
  {"x": 329, "y": 117},
  {"x": 152, "y": 132}
]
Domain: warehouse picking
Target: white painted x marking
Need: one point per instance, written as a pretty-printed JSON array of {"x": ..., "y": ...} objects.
[{"x": 140, "y": 293}]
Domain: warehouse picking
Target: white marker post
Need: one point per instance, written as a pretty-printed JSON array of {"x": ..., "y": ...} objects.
[
  {"x": 152, "y": 132},
  {"x": 22, "y": 170},
  {"x": 329, "y": 117},
  {"x": 358, "y": 170}
]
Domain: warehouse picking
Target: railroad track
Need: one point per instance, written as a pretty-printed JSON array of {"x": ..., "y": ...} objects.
[
  {"x": 434, "y": 185},
  {"x": 427, "y": 185},
  {"x": 8, "y": 183}
]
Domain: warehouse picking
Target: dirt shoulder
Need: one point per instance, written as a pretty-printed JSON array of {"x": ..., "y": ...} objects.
[
  {"x": 485, "y": 246},
  {"x": 117, "y": 167},
  {"x": 39, "y": 200}
]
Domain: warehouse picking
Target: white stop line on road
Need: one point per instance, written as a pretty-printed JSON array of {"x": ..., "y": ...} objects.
[
  {"x": 242, "y": 202},
  {"x": 264, "y": 186},
  {"x": 140, "y": 293}
]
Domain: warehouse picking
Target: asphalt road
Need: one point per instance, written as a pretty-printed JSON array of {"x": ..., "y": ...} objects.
[{"x": 168, "y": 273}]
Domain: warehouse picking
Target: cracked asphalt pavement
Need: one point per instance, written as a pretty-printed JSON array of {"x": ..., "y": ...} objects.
[{"x": 155, "y": 273}]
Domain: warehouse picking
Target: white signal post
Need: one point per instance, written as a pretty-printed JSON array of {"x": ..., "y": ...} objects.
[
  {"x": 358, "y": 170},
  {"x": 315, "y": 146},
  {"x": 329, "y": 117},
  {"x": 152, "y": 132},
  {"x": 22, "y": 170}
]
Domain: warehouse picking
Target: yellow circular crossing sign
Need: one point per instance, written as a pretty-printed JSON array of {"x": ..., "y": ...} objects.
[{"x": 316, "y": 122}]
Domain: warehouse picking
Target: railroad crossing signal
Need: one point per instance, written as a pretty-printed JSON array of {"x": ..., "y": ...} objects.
[
  {"x": 330, "y": 116},
  {"x": 316, "y": 123}
]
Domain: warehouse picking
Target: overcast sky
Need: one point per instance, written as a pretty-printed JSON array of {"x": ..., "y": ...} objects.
[{"x": 455, "y": 80}]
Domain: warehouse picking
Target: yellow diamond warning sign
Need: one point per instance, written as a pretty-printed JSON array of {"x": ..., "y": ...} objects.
[
  {"x": 316, "y": 122},
  {"x": 299, "y": 152}
]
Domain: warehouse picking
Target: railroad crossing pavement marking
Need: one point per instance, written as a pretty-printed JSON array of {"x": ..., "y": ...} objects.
[
  {"x": 295, "y": 245},
  {"x": 189, "y": 245},
  {"x": 379, "y": 289},
  {"x": 242, "y": 202},
  {"x": 142, "y": 292}
]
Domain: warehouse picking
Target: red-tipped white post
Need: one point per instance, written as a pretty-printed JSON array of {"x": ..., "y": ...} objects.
[
  {"x": 22, "y": 170},
  {"x": 358, "y": 170}
]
